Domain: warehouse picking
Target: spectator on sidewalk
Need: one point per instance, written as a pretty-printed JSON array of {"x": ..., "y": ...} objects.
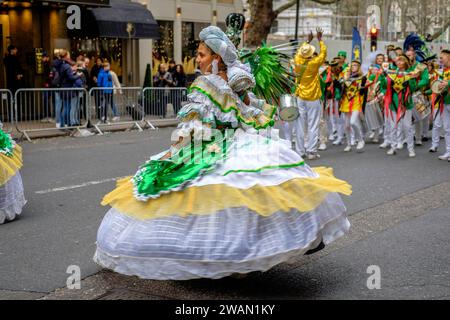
[
  {"x": 117, "y": 90},
  {"x": 87, "y": 61},
  {"x": 14, "y": 72},
  {"x": 172, "y": 67},
  {"x": 93, "y": 82},
  {"x": 47, "y": 95},
  {"x": 105, "y": 81},
  {"x": 162, "y": 79},
  {"x": 68, "y": 79},
  {"x": 77, "y": 101},
  {"x": 56, "y": 83},
  {"x": 180, "y": 81},
  {"x": 172, "y": 93}
]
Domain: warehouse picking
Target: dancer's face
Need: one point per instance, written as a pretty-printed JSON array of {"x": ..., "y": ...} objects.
[
  {"x": 355, "y": 67},
  {"x": 336, "y": 70},
  {"x": 379, "y": 60},
  {"x": 401, "y": 63},
  {"x": 444, "y": 59},
  {"x": 205, "y": 58},
  {"x": 411, "y": 55}
]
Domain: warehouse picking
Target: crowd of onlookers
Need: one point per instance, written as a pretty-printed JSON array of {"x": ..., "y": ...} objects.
[
  {"x": 66, "y": 107},
  {"x": 63, "y": 72},
  {"x": 169, "y": 76}
]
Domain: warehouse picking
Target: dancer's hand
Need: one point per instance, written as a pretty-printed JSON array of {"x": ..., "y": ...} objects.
[
  {"x": 310, "y": 37},
  {"x": 319, "y": 33}
]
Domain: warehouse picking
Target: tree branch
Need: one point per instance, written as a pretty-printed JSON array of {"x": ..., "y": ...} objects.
[
  {"x": 284, "y": 7},
  {"x": 293, "y": 2},
  {"x": 438, "y": 33},
  {"x": 410, "y": 18}
]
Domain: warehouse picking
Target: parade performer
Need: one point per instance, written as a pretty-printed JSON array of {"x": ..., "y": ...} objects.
[
  {"x": 444, "y": 100},
  {"x": 227, "y": 197},
  {"x": 340, "y": 120},
  {"x": 332, "y": 95},
  {"x": 309, "y": 94},
  {"x": 12, "y": 197},
  {"x": 374, "y": 95},
  {"x": 387, "y": 64},
  {"x": 323, "y": 124},
  {"x": 398, "y": 104},
  {"x": 353, "y": 85},
  {"x": 342, "y": 59},
  {"x": 415, "y": 49},
  {"x": 436, "y": 105}
]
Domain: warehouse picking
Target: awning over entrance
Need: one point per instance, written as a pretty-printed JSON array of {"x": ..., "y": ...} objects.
[
  {"x": 122, "y": 19},
  {"x": 81, "y": 2}
]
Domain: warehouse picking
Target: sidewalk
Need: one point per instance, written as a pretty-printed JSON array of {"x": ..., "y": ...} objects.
[{"x": 48, "y": 129}]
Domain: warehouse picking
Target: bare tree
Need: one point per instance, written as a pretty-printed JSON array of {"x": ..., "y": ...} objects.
[
  {"x": 262, "y": 17},
  {"x": 424, "y": 15},
  {"x": 421, "y": 14}
]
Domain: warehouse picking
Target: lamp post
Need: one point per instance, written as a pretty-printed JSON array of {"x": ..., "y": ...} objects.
[{"x": 296, "y": 19}]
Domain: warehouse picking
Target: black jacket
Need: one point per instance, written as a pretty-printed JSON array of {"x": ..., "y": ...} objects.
[
  {"x": 180, "y": 79},
  {"x": 94, "y": 73},
  {"x": 13, "y": 69}
]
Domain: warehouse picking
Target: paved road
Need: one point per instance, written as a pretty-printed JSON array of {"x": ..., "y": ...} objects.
[{"x": 65, "y": 179}]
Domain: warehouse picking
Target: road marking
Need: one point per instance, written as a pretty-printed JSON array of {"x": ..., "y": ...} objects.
[{"x": 76, "y": 186}]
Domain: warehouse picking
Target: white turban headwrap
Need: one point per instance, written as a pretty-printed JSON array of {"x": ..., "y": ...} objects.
[{"x": 239, "y": 75}]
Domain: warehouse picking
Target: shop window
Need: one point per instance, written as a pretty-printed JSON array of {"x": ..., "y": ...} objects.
[
  {"x": 109, "y": 49},
  {"x": 163, "y": 47},
  {"x": 189, "y": 47}
]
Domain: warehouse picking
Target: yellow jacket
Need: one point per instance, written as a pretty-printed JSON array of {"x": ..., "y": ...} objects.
[{"x": 308, "y": 87}]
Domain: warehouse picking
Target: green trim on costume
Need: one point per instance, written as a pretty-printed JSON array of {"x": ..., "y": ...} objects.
[
  {"x": 156, "y": 177},
  {"x": 281, "y": 166},
  {"x": 6, "y": 144},
  {"x": 270, "y": 123}
]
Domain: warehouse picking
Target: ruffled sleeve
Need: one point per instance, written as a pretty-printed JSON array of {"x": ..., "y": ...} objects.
[{"x": 226, "y": 106}]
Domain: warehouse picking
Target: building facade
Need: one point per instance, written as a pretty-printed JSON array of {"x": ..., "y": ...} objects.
[
  {"x": 110, "y": 29},
  {"x": 42, "y": 26},
  {"x": 180, "y": 22}
]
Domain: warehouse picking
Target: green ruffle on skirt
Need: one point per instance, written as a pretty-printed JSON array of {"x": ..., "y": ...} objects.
[
  {"x": 6, "y": 144},
  {"x": 157, "y": 177}
]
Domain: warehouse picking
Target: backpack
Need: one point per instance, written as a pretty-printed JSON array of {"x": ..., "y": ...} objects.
[{"x": 55, "y": 77}]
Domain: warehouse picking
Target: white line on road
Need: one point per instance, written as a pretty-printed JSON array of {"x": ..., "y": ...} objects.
[{"x": 90, "y": 183}]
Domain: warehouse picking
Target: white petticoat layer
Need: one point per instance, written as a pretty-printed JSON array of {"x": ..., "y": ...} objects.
[
  {"x": 12, "y": 199},
  {"x": 235, "y": 240}
]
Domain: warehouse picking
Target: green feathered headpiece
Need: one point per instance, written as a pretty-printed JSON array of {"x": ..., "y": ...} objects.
[{"x": 270, "y": 69}]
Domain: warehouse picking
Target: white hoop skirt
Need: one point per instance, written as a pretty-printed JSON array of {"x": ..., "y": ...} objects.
[
  {"x": 259, "y": 208},
  {"x": 12, "y": 198}
]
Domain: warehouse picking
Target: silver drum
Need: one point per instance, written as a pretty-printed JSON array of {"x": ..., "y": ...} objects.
[
  {"x": 422, "y": 108},
  {"x": 373, "y": 115},
  {"x": 288, "y": 108}
]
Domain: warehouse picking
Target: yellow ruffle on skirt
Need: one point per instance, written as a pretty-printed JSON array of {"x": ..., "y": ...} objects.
[
  {"x": 302, "y": 194},
  {"x": 10, "y": 165}
]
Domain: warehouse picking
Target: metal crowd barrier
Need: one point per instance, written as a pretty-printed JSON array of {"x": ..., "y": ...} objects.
[
  {"x": 49, "y": 109},
  {"x": 113, "y": 106},
  {"x": 163, "y": 102},
  {"x": 7, "y": 110},
  {"x": 71, "y": 109}
]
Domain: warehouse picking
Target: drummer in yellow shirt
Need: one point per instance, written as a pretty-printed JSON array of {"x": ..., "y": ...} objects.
[
  {"x": 309, "y": 95},
  {"x": 351, "y": 104}
]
